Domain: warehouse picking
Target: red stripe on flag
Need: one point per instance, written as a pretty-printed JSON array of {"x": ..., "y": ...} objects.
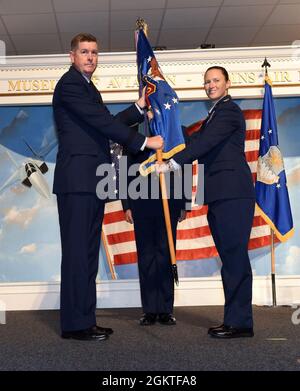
[
  {"x": 258, "y": 221},
  {"x": 251, "y": 156},
  {"x": 120, "y": 237},
  {"x": 262, "y": 241},
  {"x": 198, "y": 211},
  {"x": 198, "y": 253},
  {"x": 252, "y": 134},
  {"x": 114, "y": 217},
  {"x": 123, "y": 259},
  {"x": 193, "y": 233},
  {"x": 252, "y": 114},
  {"x": 194, "y": 169}
]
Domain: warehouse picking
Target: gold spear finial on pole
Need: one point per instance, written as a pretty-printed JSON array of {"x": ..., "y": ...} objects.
[
  {"x": 265, "y": 65},
  {"x": 142, "y": 25}
]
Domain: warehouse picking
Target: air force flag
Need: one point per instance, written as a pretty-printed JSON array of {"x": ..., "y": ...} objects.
[
  {"x": 161, "y": 100},
  {"x": 271, "y": 190}
]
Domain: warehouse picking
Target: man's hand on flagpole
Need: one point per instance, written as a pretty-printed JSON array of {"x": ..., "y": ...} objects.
[
  {"x": 155, "y": 142},
  {"x": 141, "y": 102}
]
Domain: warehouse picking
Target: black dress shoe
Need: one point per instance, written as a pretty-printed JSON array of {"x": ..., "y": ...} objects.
[
  {"x": 167, "y": 319},
  {"x": 90, "y": 334},
  {"x": 105, "y": 330},
  {"x": 215, "y": 327},
  {"x": 148, "y": 319},
  {"x": 231, "y": 332}
]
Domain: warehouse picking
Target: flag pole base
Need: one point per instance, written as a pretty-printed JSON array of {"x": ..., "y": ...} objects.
[
  {"x": 274, "y": 290},
  {"x": 175, "y": 274}
]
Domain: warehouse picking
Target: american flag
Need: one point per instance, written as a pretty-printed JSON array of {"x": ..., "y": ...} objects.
[{"x": 194, "y": 240}]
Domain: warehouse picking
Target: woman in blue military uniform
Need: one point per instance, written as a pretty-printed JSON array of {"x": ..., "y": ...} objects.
[{"x": 229, "y": 194}]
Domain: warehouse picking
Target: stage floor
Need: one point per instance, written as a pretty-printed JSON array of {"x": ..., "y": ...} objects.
[{"x": 30, "y": 341}]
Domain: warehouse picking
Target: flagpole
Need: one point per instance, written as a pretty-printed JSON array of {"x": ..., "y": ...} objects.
[
  {"x": 142, "y": 25},
  {"x": 265, "y": 65},
  {"x": 273, "y": 268},
  {"x": 162, "y": 181}
]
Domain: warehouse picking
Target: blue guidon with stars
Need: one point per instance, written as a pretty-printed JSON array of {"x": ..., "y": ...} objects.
[{"x": 162, "y": 100}]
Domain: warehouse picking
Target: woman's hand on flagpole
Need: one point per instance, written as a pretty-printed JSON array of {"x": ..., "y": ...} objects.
[{"x": 161, "y": 167}]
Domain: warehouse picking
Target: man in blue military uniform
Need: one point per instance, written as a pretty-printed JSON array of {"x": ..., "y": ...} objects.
[{"x": 84, "y": 127}]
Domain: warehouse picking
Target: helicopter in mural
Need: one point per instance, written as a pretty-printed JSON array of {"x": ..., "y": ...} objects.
[{"x": 30, "y": 173}]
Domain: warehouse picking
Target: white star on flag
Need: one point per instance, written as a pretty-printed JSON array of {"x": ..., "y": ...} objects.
[
  {"x": 278, "y": 185},
  {"x": 262, "y": 137},
  {"x": 175, "y": 100},
  {"x": 149, "y": 59},
  {"x": 157, "y": 111},
  {"x": 270, "y": 131},
  {"x": 167, "y": 106}
]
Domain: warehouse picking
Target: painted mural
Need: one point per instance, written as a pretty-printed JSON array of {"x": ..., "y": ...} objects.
[{"x": 29, "y": 231}]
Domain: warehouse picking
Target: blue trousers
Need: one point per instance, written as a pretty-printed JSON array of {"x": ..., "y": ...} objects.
[
  {"x": 80, "y": 220},
  {"x": 155, "y": 271},
  {"x": 230, "y": 222}
]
